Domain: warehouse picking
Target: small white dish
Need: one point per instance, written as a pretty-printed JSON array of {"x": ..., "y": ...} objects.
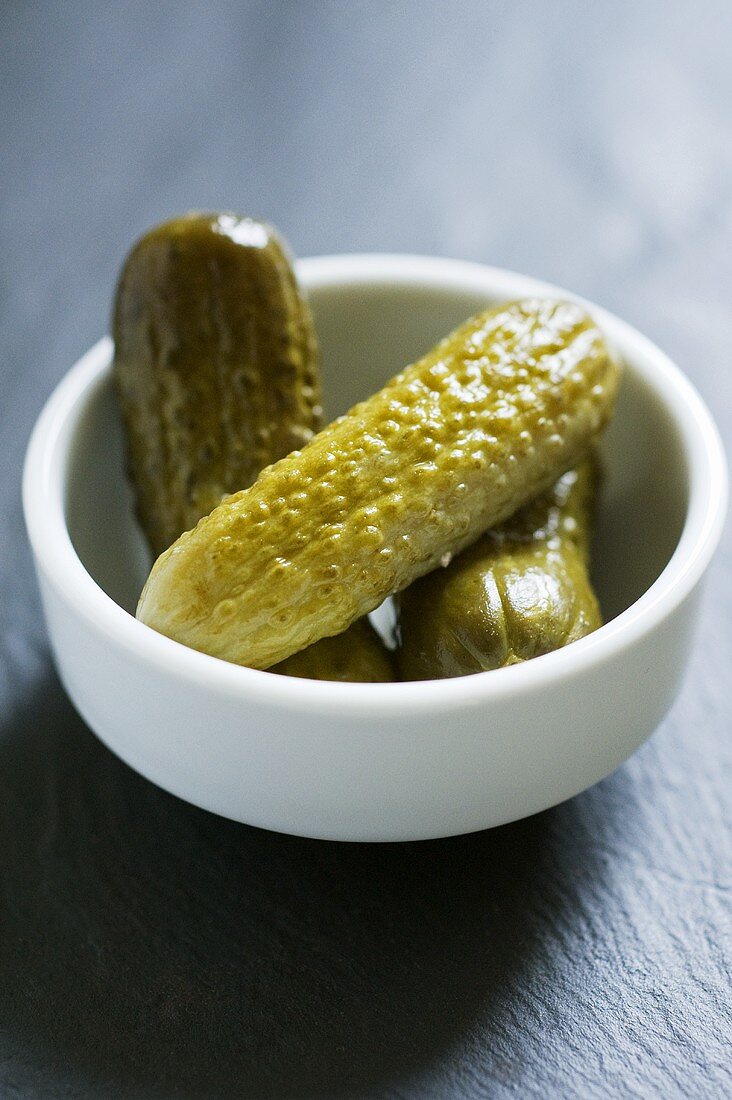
[{"x": 382, "y": 761}]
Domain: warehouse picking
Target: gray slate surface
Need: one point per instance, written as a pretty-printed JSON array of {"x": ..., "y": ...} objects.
[{"x": 149, "y": 949}]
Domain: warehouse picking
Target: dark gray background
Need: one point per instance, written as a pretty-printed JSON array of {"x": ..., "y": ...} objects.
[{"x": 149, "y": 949}]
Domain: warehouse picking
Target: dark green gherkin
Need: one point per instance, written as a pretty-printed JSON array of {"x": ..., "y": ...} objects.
[
  {"x": 356, "y": 655},
  {"x": 216, "y": 365},
  {"x": 522, "y": 590}
]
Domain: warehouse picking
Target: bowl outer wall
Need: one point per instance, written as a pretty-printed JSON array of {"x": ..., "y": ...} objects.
[
  {"x": 374, "y": 762},
  {"x": 417, "y": 776}
]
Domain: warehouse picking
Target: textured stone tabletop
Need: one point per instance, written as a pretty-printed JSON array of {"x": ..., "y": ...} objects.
[{"x": 148, "y": 949}]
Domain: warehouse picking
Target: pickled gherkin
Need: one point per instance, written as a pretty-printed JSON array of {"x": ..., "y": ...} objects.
[
  {"x": 215, "y": 363},
  {"x": 521, "y": 590},
  {"x": 356, "y": 655},
  {"x": 453, "y": 445}
]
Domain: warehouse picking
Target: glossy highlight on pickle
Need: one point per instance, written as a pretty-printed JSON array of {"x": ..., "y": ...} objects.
[
  {"x": 453, "y": 445},
  {"x": 523, "y": 589}
]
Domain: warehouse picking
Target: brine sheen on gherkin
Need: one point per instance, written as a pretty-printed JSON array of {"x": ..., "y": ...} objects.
[
  {"x": 215, "y": 362},
  {"x": 523, "y": 589},
  {"x": 453, "y": 445}
]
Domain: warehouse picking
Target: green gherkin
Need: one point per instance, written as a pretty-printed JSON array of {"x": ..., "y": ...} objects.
[
  {"x": 453, "y": 445},
  {"x": 216, "y": 365},
  {"x": 356, "y": 655},
  {"x": 216, "y": 368},
  {"x": 521, "y": 590}
]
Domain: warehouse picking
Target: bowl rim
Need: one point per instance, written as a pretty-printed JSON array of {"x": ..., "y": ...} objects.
[{"x": 44, "y": 497}]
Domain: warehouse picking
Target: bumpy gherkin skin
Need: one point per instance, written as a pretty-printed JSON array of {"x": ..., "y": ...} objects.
[
  {"x": 357, "y": 655},
  {"x": 453, "y": 445},
  {"x": 521, "y": 590},
  {"x": 215, "y": 364}
]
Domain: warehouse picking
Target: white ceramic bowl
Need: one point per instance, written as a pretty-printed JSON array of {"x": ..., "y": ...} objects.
[{"x": 382, "y": 761}]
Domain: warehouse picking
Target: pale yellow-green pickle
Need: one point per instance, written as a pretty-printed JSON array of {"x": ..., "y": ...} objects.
[
  {"x": 521, "y": 590},
  {"x": 453, "y": 445}
]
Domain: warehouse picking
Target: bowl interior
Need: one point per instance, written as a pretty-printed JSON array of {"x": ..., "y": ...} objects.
[{"x": 367, "y": 333}]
